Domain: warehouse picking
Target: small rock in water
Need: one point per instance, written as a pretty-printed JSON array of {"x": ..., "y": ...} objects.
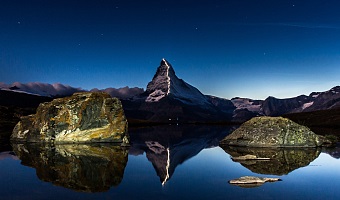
[{"x": 252, "y": 181}]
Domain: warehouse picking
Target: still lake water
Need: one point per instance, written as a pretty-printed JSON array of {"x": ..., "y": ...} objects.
[{"x": 165, "y": 162}]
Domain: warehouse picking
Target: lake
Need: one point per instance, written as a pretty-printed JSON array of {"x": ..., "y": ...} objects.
[{"x": 165, "y": 162}]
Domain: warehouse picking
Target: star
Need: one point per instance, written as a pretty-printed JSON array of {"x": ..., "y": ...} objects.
[{"x": 19, "y": 22}]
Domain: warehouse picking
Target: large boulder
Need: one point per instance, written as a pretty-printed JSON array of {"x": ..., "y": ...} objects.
[
  {"x": 82, "y": 118},
  {"x": 273, "y": 132}
]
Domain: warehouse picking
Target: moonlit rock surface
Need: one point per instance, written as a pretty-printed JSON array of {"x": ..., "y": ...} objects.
[
  {"x": 81, "y": 118},
  {"x": 273, "y": 132}
]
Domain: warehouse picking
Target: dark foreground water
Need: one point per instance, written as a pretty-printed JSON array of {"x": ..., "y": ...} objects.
[{"x": 167, "y": 162}]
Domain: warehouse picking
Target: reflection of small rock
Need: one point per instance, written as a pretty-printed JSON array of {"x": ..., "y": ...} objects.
[
  {"x": 249, "y": 157},
  {"x": 252, "y": 181},
  {"x": 282, "y": 160}
]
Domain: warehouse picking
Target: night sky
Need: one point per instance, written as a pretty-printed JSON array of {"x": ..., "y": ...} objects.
[{"x": 245, "y": 48}]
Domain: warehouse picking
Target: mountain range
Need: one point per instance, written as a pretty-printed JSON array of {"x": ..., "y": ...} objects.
[{"x": 169, "y": 99}]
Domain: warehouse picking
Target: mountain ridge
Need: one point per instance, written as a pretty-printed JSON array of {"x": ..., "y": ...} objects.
[{"x": 169, "y": 99}]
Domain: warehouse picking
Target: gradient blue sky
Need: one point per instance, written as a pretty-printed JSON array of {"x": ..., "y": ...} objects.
[{"x": 245, "y": 48}]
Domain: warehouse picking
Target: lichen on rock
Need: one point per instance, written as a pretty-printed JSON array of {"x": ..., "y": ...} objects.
[
  {"x": 82, "y": 118},
  {"x": 273, "y": 132}
]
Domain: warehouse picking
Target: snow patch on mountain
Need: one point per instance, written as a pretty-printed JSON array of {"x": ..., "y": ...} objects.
[
  {"x": 245, "y": 103},
  {"x": 42, "y": 89},
  {"x": 155, "y": 96},
  {"x": 306, "y": 105},
  {"x": 167, "y": 75}
]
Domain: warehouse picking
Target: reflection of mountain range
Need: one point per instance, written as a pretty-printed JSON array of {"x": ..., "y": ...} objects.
[
  {"x": 166, "y": 147},
  {"x": 86, "y": 168},
  {"x": 282, "y": 160},
  {"x": 333, "y": 151}
]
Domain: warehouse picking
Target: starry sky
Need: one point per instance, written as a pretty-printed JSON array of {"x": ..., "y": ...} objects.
[{"x": 226, "y": 48}]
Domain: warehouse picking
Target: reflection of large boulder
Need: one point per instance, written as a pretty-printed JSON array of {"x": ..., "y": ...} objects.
[
  {"x": 166, "y": 147},
  {"x": 84, "y": 168},
  {"x": 273, "y": 132},
  {"x": 281, "y": 160},
  {"x": 83, "y": 117}
]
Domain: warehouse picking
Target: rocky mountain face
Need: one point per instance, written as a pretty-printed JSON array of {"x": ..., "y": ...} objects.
[
  {"x": 314, "y": 102},
  {"x": 165, "y": 83},
  {"x": 276, "y": 107},
  {"x": 170, "y": 99}
]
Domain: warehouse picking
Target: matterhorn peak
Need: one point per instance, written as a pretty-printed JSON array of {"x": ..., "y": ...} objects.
[
  {"x": 159, "y": 87},
  {"x": 165, "y": 83}
]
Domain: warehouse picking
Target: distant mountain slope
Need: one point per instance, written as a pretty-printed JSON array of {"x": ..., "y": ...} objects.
[
  {"x": 169, "y": 99},
  {"x": 42, "y": 89},
  {"x": 13, "y": 105},
  {"x": 22, "y": 100},
  {"x": 121, "y": 93},
  {"x": 315, "y": 101},
  {"x": 60, "y": 90}
]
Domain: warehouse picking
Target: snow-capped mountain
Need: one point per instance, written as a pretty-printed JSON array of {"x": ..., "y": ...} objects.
[
  {"x": 166, "y": 83},
  {"x": 323, "y": 100},
  {"x": 61, "y": 90},
  {"x": 246, "y": 103},
  {"x": 272, "y": 106},
  {"x": 170, "y": 99},
  {"x": 41, "y": 89}
]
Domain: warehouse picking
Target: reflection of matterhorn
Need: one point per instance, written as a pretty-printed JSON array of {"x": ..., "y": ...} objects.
[
  {"x": 166, "y": 147},
  {"x": 160, "y": 157}
]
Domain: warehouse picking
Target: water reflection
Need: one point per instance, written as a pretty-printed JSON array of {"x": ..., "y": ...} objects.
[
  {"x": 282, "y": 160},
  {"x": 166, "y": 147},
  {"x": 87, "y": 168},
  {"x": 333, "y": 151}
]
